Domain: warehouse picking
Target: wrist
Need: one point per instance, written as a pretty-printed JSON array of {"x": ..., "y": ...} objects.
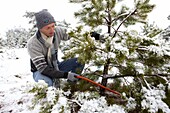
[{"x": 65, "y": 74}]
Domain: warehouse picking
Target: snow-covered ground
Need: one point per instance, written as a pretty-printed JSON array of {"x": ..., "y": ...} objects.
[{"x": 14, "y": 75}]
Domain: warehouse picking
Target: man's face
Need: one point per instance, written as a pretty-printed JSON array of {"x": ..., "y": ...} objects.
[{"x": 48, "y": 30}]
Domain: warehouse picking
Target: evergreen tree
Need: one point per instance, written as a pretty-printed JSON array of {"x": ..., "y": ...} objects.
[
  {"x": 17, "y": 37},
  {"x": 166, "y": 33},
  {"x": 134, "y": 53},
  {"x": 30, "y": 16},
  {"x": 2, "y": 42}
]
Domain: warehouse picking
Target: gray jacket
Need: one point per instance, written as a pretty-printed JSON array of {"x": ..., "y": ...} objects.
[{"x": 38, "y": 49}]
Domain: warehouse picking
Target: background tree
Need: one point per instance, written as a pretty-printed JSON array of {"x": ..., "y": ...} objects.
[
  {"x": 2, "y": 42},
  {"x": 30, "y": 16},
  {"x": 17, "y": 37},
  {"x": 166, "y": 33}
]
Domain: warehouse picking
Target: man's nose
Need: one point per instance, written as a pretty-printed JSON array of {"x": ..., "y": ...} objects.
[{"x": 52, "y": 29}]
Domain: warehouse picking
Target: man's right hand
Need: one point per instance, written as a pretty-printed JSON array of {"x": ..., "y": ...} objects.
[{"x": 72, "y": 77}]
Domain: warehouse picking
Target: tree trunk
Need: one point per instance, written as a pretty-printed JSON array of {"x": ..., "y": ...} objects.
[
  {"x": 109, "y": 27},
  {"x": 106, "y": 66},
  {"x": 104, "y": 79}
]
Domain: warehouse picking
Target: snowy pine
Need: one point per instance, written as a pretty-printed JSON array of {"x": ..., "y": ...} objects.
[{"x": 17, "y": 37}]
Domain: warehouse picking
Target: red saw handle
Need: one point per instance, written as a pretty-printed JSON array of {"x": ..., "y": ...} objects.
[{"x": 91, "y": 81}]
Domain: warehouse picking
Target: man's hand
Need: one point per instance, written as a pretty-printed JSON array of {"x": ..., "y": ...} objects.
[
  {"x": 95, "y": 35},
  {"x": 72, "y": 77}
]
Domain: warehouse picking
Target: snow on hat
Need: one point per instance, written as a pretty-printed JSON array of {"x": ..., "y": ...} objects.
[{"x": 43, "y": 18}]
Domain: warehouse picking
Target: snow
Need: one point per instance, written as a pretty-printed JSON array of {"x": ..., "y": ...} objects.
[
  {"x": 16, "y": 79},
  {"x": 100, "y": 106},
  {"x": 15, "y": 73},
  {"x": 131, "y": 103},
  {"x": 153, "y": 100}
]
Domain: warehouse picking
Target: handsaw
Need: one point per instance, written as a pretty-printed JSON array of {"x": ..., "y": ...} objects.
[{"x": 93, "y": 82}]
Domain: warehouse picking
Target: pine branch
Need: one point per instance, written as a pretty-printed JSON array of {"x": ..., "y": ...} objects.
[
  {"x": 124, "y": 14},
  {"x": 146, "y": 83},
  {"x": 110, "y": 76},
  {"x": 107, "y": 21},
  {"x": 124, "y": 21}
]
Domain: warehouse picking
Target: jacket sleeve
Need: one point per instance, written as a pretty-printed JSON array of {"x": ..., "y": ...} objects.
[
  {"x": 36, "y": 53},
  {"x": 53, "y": 73},
  {"x": 62, "y": 33}
]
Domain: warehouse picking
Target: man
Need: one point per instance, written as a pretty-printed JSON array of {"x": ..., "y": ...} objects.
[{"x": 43, "y": 51}]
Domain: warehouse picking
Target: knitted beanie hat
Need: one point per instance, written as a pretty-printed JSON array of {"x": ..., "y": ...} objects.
[{"x": 43, "y": 18}]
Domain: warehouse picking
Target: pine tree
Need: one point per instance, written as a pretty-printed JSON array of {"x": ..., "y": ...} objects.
[
  {"x": 133, "y": 52},
  {"x": 166, "y": 32},
  {"x": 17, "y": 37},
  {"x": 30, "y": 16},
  {"x": 2, "y": 42}
]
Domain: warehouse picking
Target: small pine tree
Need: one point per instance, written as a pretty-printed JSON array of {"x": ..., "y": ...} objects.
[
  {"x": 139, "y": 54},
  {"x": 17, "y": 37},
  {"x": 30, "y": 16},
  {"x": 2, "y": 42},
  {"x": 166, "y": 33}
]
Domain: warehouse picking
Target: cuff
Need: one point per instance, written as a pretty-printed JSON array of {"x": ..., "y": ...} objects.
[{"x": 65, "y": 74}]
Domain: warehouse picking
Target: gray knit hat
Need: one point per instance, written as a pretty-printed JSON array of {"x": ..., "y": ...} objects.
[{"x": 43, "y": 18}]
